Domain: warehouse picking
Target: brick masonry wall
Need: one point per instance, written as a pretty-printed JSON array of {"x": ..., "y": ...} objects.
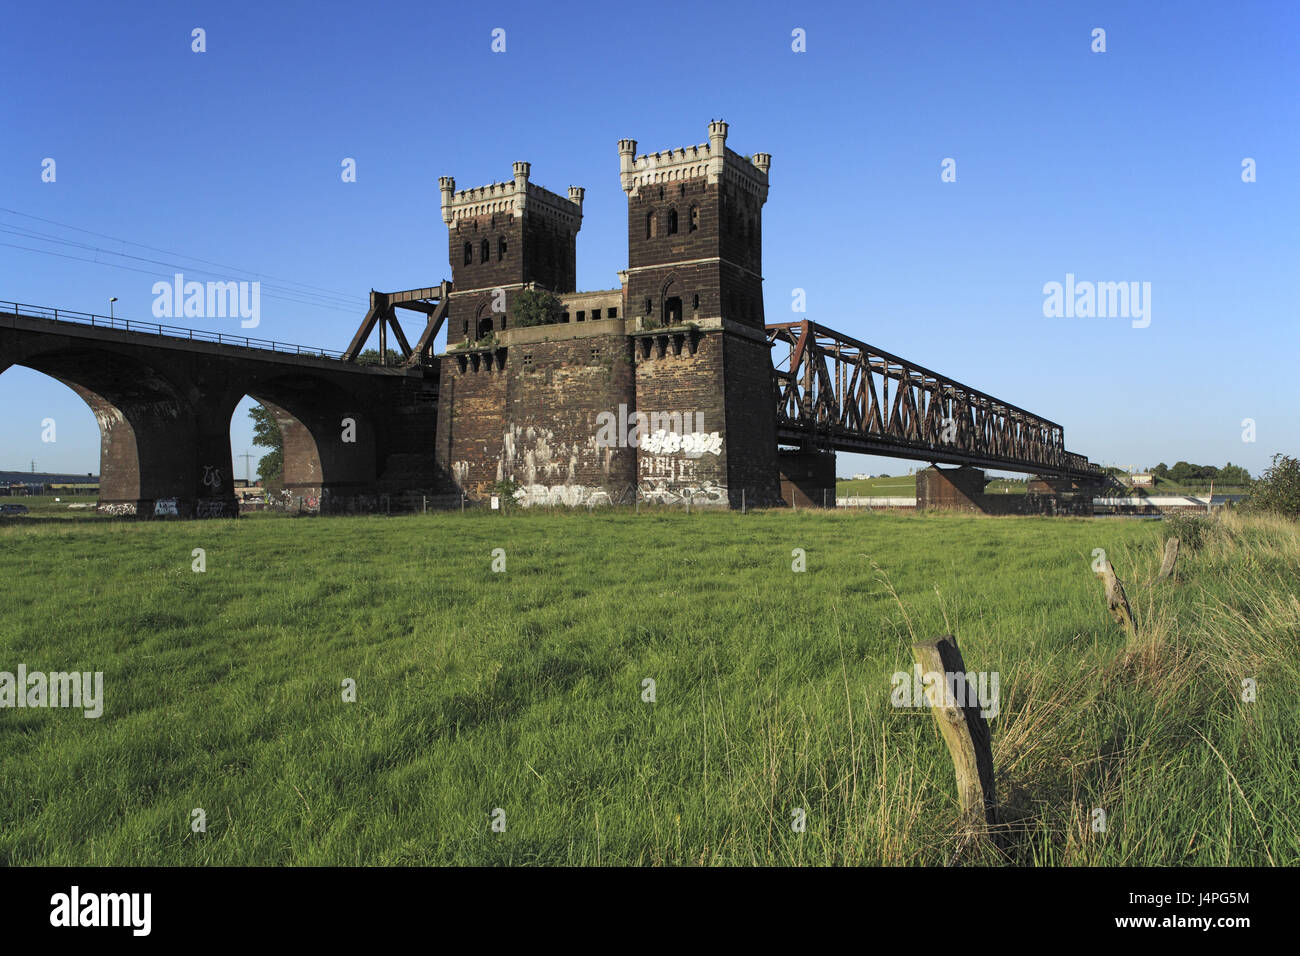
[
  {"x": 550, "y": 254},
  {"x": 751, "y": 421},
  {"x": 470, "y": 404},
  {"x": 536, "y": 420},
  {"x": 665, "y": 247},
  {"x": 496, "y": 271},
  {"x": 556, "y": 394},
  {"x": 690, "y": 383}
]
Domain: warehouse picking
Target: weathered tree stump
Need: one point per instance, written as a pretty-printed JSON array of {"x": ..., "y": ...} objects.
[
  {"x": 964, "y": 730},
  {"x": 1171, "y": 557},
  {"x": 1117, "y": 600}
]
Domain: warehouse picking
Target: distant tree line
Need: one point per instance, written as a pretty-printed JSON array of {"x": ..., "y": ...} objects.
[{"x": 1184, "y": 472}]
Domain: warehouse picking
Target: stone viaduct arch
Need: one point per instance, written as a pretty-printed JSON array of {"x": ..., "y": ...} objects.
[{"x": 164, "y": 411}]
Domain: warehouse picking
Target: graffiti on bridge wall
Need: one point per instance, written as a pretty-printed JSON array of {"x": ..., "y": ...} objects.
[
  {"x": 212, "y": 478},
  {"x": 215, "y": 508},
  {"x": 705, "y": 493}
]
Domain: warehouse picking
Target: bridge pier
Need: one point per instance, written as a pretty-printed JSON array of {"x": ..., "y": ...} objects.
[
  {"x": 807, "y": 478},
  {"x": 962, "y": 489},
  {"x": 159, "y": 458},
  {"x": 950, "y": 489}
]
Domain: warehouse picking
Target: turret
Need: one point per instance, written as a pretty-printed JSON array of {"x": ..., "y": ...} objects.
[
  {"x": 717, "y": 149},
  {"x": 626, "y": 160},
  {"x": 447, "y": 185}
]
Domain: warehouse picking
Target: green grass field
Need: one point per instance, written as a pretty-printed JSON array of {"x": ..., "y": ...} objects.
[
  {"x": 904, "y": 486},
  {"x": 55, "y": 506},
  {"x": 900, "y": 486},
  {"x": 523, "y": 690}
]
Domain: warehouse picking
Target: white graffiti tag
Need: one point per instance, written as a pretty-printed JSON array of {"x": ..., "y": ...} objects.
[{"x": 693, "y": 443}]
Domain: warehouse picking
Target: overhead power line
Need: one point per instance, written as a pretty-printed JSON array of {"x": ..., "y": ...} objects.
[
  {"x": 292, "y": 294},
  {"x": 280, "y": 289},
  {"x": 156, "y": 274},
  {"x": 89, "y": 232}
]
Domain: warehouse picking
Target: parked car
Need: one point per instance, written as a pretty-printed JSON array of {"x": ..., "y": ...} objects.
[{"x": 13, "y": 509}]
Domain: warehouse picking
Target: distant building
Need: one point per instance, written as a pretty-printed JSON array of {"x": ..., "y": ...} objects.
[
  {"x": 246, "y": 492},
  {"x": 1142, "y": 481}
]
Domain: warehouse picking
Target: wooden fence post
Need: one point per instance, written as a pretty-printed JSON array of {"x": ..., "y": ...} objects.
[
  {"x": 1171, "y": 558},
  {"x": 964, "y": 730},
  {"x": 1117, "y": 600}
]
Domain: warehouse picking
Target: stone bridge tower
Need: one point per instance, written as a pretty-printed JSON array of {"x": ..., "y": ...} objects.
[
  {"x": 506, "y": 236},
  {"x": 662, "y": 387},
  {"x": 517, "y": 404},
  {"x": 695, "y": 290}
]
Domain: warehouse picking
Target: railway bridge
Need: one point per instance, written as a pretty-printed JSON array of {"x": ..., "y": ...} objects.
[
  {"x": 547, "y": 393},
  {"x": 163, "y": 397}
]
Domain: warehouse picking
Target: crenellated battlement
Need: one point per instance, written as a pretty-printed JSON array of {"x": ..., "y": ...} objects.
[
  {"x": 712, "y": 161},
  {"x": 514, "y": 198}
]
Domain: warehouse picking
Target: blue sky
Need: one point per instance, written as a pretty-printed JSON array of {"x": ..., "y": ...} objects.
[{"x": 1115, "y": 166}]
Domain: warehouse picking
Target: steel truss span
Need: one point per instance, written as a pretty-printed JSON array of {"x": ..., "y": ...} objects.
[{"x": 835, "y": 392}]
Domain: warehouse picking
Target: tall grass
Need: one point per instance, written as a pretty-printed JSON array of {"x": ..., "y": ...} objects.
[{"x": 524, "y": 690}]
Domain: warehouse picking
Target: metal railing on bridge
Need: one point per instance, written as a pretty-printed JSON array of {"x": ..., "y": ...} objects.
[{"x": 26, "y": 311}]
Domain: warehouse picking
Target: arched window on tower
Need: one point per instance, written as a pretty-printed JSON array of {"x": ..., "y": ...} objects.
[
  {"x": 695, "y": 218},
  {"x": 469, "y": 253},
  {"x": 672, "y": 222},
  {"x": 651, "y": 226},
  {"x": 501, "y": 248},
  {"x": 484, "y": 251}
]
